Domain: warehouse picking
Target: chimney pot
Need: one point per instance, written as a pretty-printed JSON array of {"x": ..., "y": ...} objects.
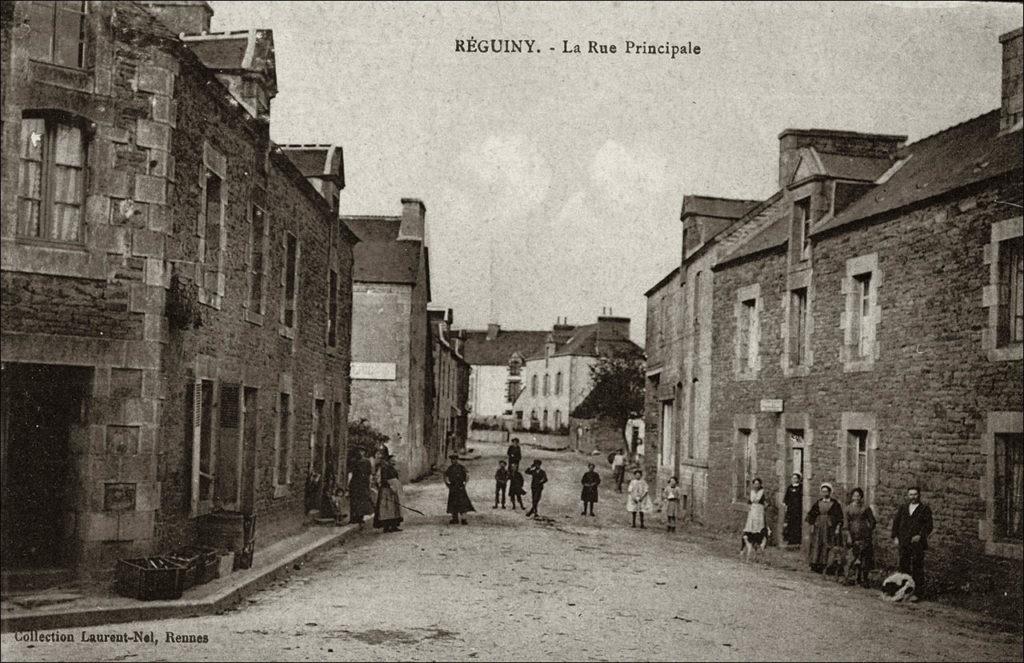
[{"x": 493, "y": 329}]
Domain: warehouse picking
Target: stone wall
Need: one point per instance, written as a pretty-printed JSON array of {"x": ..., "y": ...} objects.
[{"x": 924, "y": 402}]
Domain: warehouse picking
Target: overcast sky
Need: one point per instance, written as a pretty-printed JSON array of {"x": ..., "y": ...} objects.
[{"x": 553, "y": 182}]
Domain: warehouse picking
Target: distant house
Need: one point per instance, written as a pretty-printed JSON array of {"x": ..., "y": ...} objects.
[
  {"x": 556, "y": 377},
  {"x": 390, "y": 335},
  {"x": 448, "y": 389},
  {"x": 496, "y": 357}
]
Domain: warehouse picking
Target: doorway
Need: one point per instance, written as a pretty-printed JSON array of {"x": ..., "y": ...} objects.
[{"x": 41, "y": 404}]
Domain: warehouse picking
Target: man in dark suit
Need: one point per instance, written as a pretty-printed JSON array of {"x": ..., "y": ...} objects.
[
  {"x": 910, "y": 530},
  {"x": 514, "y": 452}
]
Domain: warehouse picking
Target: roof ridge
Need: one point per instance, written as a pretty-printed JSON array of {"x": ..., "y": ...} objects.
[{"x": 948, "y": 129}]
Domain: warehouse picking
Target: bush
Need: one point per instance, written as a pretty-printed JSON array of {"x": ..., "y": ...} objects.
[{"x": 361, "y": 435}]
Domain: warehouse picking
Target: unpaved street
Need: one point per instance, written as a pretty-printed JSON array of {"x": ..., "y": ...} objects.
[{"x": 566, "y": 588}]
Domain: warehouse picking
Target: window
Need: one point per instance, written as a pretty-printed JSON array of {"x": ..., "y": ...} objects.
[
  {"x": 210, "y": 225},
  {"x": 332, "y": 309},
  {"x": 747, "y": 330},
  {"x": 668, "y": 432},
  {"x": 213, "y": 217},
  {"x": 797, "y": 444},
  {"x": 258, "y": 235},
  {"x": 544, "y": 422},
  {"x": 533, "y": 385},
  {"x": 547, "y": 384},
  {"x": 691, "y": 417},
  {"x": 511, "y": 391},
  {"x": 1009, "y": 486},
  {"x": 519, "y": 417},
  {"x": 229, "y": 446},
  {"x": 558, "y": 419},
  {"x": 200, "y": 406},
  {"x": 317, "y": 452},
  {"x": 798, "y": 314},
  {"x": 51, "y": 179},
  {"x": 743, "y": 457},
  {"x": 1010, "y": 327},
  {"x": 857, "y": 447},
  {"x": 291, "y": 277},
  {"x": 284, "y": 440},
  {"x": 862, "y": 315},
  {"x": 534, "y": 423},
  {"x": 515, "y": 366},
  {"x": 695, "y": 308},
  {"x": 558, "y": 383},
  {"x": 802, "y": 225},
  {"x": 58, "y": 32},
  {"x": 334, "y": 444}
]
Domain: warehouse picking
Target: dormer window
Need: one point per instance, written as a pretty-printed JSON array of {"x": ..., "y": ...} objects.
[{"x": 58, "y": 32}]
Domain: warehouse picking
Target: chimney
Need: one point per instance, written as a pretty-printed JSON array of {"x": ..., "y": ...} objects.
[
  {"x": 608, "y": 327},
  {"x": 1010, "y": 111},
  {"x": 413, "y": 223},
  {"x": 191, "y": 17},
  {"x": 493, "y": 329},
  {"x": 845, "y": 143}
]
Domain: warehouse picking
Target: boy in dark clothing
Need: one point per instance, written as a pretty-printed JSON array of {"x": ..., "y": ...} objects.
[
  {"x": 515, "y": 489},
  {"x": 514, "y": 452},
  {"x": 540, "y": 478},
  {"x": 500, "y": 484},
  {"x": 591, "y": 480}
]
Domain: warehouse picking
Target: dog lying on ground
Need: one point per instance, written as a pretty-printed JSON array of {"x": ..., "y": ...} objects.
[{"x": 899, "y": 587}]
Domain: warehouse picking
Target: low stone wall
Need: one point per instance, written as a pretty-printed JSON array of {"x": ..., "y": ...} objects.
[{"x": 526, "y": 439}]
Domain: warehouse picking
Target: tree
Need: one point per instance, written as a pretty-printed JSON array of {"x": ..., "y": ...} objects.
[{"x": 618, "y": 392}]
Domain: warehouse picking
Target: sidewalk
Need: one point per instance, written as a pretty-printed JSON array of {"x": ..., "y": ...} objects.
[{"x": 79, "y": 605}]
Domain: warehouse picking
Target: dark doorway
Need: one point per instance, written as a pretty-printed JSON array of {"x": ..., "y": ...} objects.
[{"x": 40, "y": 405}]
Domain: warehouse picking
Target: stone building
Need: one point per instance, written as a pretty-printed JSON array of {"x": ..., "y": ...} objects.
[
  {"x": 391, "y": 345},
  {"x": 556, "y": 377},
  {"x": 679, "y": 378},
  {"x": 449, "y": 389},
  {"x": 175, "y": 292},
  {"x": 868, "y": 327},
  {"x": 496, "y": 357}
]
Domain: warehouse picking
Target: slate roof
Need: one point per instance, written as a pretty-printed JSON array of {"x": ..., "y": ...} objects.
[
  {"x": 963, "y": 154},
  {"x": 726, "y": 208},
  {"x": 591, "y": 341},
  {"x": 864, "y": 169},
  {"x": 225, "y": 52},
  {"x": 497, "y": 352},
  {"x": 380, "y": 257}
]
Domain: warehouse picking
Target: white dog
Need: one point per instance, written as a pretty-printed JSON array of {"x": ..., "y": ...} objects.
[{"x": 898, "y": 587}]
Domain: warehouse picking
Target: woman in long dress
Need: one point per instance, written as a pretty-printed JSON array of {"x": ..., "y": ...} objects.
[
  {"x": 794, "y": 501},
  {"x": 638, "y": 499},
  {"x": 826, "y": 521},
  {"x": 388, "y": 514},
  {"x": 756, "y": 529},
  {"x": 860, "y": 530},
  {"x": 359, "y": 502}
]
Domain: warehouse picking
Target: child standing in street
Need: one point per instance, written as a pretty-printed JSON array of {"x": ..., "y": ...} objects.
[
  {"x": 515, "y": 489},
  {"x": 500, "y": 484},
  {"x": 670, "y": 495},
  {"x": 591, "y": 480},
  {"x": 638, "y": 499}
]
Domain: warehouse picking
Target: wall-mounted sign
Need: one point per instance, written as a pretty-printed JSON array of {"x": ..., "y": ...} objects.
[
  {"x": 771, "y": 405},
  {"x": 119, "y": 497},
  {"x": 371, "y": 370}
]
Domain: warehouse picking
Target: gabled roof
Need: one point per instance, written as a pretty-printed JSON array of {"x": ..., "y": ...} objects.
[
  {"x": 724, "y": 208},
  {"x": 961, "y": 155},
  {"x": 318, "y": 161},
  {"x": 380, "y": 257},
  {"x": 843, "y": 167},
  {"x": 480, "y": 351}
]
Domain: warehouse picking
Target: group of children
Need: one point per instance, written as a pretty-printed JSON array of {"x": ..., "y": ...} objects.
[{"x": 509, "y": 480}]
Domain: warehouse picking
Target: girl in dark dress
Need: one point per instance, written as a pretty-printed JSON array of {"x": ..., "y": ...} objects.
[
  {"x": 794, "y": 501},
  {"x": 860, "y": 530},
  {"x": 591, "y": 480},
  {"x": 359, "y": 502}
]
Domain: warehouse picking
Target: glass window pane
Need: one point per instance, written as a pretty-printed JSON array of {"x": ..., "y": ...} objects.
[
  {"x": 33, "y": 133},
  {"x": 30, "y": 180},
  {"x": 67, "y": 185},
  {"x": 28, "y": 218},
  {"x": 40, "y": 18},
  {"x": 65, "y": 223},
  {"x": 68, "y": 37},
  {"x": 68, "y": 146}
]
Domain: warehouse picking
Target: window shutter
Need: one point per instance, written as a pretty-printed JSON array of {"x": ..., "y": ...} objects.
[
  {"x": 229, "y": 408},
  {"x": 196, "y": 409}
]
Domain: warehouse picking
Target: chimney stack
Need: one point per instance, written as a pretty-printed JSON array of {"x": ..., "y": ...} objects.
[
  {"x": 493, "y": 329},
  {"x": 1012, "y": 106},
  {"x": 413, "y": 223},
  {"x": 609, "y": 327},
  {"x": 191, "y": 17}
]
